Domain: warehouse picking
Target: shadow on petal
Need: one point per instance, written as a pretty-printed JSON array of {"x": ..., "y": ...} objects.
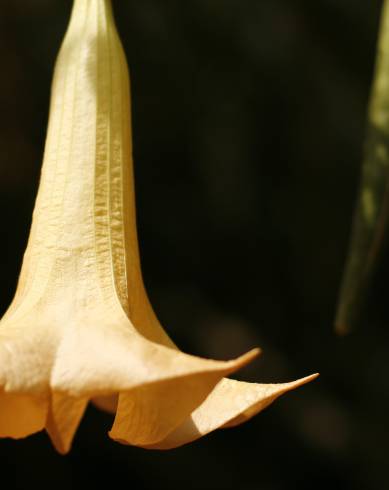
[
  {"x": 21, "y": 415},
  {"x": 108, "y": 403}
]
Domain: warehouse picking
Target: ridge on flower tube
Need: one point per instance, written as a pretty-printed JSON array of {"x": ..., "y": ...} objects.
[{"x": 81, "y": 327}]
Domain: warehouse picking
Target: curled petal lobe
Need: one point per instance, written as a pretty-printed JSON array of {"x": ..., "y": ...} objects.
[
  {"x": 230, "y": 403},
  {"x": 148, "y": 414}
]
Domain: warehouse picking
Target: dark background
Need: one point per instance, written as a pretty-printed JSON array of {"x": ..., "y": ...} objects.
[{"x": 249, "y": 120}]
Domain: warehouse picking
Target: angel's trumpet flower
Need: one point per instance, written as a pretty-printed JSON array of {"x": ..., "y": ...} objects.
[{"x": 80, "y": 326}]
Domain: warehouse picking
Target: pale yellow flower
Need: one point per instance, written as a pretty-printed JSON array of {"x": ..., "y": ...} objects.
[{"x": 80, "y": 326}]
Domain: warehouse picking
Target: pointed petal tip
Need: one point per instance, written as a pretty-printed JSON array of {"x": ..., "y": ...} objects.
[
  {"x": 61, "y": 449},
  {"x": 307, "y": 379},
  {"x": 248, "y": 357},
  {"x": 299, "y": 382},
  {"x": 63, "y": 419},
  {"x": 230, "y": 367}
]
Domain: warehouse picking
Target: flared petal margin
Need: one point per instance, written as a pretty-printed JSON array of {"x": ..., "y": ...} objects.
[
  {"x": 230, "y": 403},
  {"x": 22, "y": 415},
  {"x": 149, "y": 412},
  {"x": 158, "y": 386}
]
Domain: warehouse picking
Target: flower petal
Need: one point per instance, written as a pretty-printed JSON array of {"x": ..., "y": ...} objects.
[
  {"x": 26, "y": 358},
  {"x": 63, "y": 418},
  {"x": 230, "y": 403},
  {"x": 21, "y": 415},
  {"x": 107, "y": 403}
]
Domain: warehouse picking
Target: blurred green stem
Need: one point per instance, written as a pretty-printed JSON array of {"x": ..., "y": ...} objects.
[{"x": 371, "y": 214}]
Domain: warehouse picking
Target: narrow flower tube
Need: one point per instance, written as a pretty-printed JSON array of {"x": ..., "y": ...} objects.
[{"x": 81, "y": 327}]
